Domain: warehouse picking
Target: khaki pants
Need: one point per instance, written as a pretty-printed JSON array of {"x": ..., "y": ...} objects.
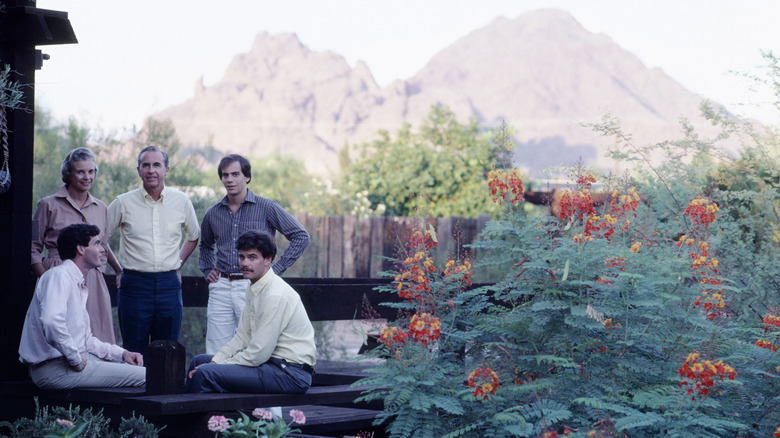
[{"x": 57, "y": 374}]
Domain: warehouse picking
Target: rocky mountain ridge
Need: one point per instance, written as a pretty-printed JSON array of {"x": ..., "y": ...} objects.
[{"x": 542, "y": 73}]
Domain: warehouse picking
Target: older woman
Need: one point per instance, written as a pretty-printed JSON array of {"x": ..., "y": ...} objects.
[{"x": 74, "y": 204}]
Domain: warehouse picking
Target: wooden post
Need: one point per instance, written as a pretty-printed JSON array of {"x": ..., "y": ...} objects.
[
  {"x": 165, "y": 367},
  {"x": 377, "y": 245},
  {"x": 363, "y": 261},
  {"x": 21, "y": 29},
  {"x": 335, "y": 246},
  {"x": 349, "y": 268}
]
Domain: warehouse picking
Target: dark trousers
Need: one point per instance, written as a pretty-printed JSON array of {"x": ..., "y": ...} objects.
[
  {"x": 150, "y": 308},
  {"x": 272, "y": 377}
]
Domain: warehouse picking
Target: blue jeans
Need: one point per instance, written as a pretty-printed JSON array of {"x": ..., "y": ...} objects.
[
  {"x": 272, "y": 377},
  {"x": 150, "y": 308}
]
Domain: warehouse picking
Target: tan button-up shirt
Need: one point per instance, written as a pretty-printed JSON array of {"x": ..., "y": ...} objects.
[
  {"x": 151, "y": 231},
  {"x": 56, "y": 212},
  {"x": 274, "y": 323}
]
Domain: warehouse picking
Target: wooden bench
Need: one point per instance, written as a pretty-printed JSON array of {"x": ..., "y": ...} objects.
[{"x": 178, "y": 404}]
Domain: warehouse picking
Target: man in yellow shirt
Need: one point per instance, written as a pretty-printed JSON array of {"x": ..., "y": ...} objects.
[
  {"x": 273, "y": 349},
  {"x": 151, "y": 221}
]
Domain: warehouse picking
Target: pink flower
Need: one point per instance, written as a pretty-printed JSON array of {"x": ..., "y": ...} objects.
[
  {"x": 218, "y": 423},
  {"x": 297, "y": 416},
  {"x": 64, "y": 423},
  {"x": 264, "y": 414}
]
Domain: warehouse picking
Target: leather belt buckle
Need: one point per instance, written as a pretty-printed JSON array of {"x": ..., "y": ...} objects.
[
  {"x": 232, "y": 276},
  {"x": 304, "y": 366}
]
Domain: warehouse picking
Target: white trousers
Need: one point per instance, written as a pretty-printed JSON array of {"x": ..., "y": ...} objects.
[
  {"x": 226, "y": 302},
  {"x": 98, "y": 373}
]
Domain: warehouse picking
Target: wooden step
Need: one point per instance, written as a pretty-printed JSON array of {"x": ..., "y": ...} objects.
[{"x": 177, "y": 404}]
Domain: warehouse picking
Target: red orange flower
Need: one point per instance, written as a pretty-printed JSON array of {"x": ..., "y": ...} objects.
[
  {"x": 576, "y": 205},
  {"x": 484, "y": 381},
  {"x": 391, "y": 335},
  {"x": 461, "y": 272},
  {"x": 615, "y": 262},
  {"x": 424, "y": 328},
  {"x": 505, "y": 184},
  {"x": 766, "y": 344},
  {"x": 625, "y": 202},
  {"x": 702, "y": 211},
  {"x": 698, "y": 376},
  {"x": 771, "y": 322}
]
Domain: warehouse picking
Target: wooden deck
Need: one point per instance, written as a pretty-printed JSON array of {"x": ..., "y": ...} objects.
[
  {"x": 329, "y": 403},
  {"x": 329, "y": 407}
]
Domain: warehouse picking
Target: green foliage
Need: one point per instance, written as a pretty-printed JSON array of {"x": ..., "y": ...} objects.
[
  {"x": 593, "y": 322},
  {"x": 11, "y": 93},
  {"x": 443, "y": 166},
  {"x": 74, "y": 422}
]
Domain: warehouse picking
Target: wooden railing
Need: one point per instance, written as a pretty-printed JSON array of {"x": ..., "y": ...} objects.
[{"x": 325, "y": 299}]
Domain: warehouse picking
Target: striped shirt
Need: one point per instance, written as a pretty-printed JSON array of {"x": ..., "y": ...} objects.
[{"x": 221, "y": 227}]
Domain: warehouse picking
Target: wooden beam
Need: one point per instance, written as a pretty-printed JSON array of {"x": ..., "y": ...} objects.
[{"x": 21, "y": 28}]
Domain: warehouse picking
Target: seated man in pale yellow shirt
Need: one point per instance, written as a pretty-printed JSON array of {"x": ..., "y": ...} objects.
[{"x": 273, "y": 349}]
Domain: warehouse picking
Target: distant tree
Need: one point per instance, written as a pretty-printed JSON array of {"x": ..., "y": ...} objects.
[
  {"x": 280, "y": 177},
  {"x": 48, "y": 145},
  {"x": 184, "y": 170},
  {"x": 444, "y": 165}
]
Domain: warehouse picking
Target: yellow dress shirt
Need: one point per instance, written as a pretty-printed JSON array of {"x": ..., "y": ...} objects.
[
  {"x": 274, "y": 323},
  {"x": 151, "y": 231}
]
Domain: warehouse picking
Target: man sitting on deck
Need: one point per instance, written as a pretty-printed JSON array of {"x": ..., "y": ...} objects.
[
  {"x": 57, "y": 342},
  {"x": 273, "y": 349}
]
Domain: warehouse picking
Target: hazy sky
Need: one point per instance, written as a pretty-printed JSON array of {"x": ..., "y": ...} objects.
[{"x": 137, "y": 57}]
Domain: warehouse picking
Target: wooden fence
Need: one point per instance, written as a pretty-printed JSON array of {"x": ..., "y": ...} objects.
[{"x": 355, "y": 247}]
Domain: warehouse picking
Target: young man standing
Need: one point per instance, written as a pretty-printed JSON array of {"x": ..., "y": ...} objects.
[
  {"x": 239, "y": 211},
  {"x": 151, "y": 221},
  {"x": 57, "y": 342},
  {"x": 273, "y": 349}
]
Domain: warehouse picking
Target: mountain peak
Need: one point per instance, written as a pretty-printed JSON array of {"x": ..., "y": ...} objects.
[
  {"x": 279, "y": 43},
  {"x": 542, "y": 73}
]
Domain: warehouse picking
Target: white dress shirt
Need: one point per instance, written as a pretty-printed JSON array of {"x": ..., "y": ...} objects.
[{"x": 57, "y": 323}]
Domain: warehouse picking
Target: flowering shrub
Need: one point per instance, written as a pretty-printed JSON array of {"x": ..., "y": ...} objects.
[
  {"x": 639, "y": 315},
  {"x": 264, "y": 426}
]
